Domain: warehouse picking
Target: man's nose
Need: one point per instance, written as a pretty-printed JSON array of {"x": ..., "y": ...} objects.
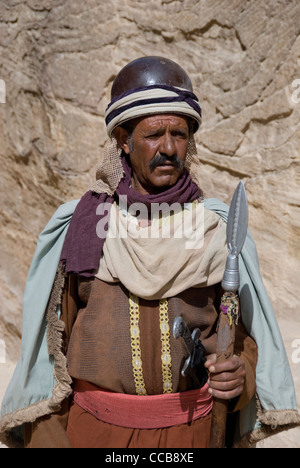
[{"x": 167, "y": 145}]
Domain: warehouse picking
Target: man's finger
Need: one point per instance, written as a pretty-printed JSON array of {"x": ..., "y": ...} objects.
[
  {"x": 230, "y": 365},
  {"x": 226, "y": 376},
  {"x": 229, "y": 395},
  {"x": 226, "y": 385}
]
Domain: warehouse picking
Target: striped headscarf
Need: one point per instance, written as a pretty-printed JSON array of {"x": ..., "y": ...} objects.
[{"x": 149, "y": 100}]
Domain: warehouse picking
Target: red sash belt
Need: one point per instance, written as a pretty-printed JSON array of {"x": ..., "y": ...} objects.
[{"x": 143, "y": 412}]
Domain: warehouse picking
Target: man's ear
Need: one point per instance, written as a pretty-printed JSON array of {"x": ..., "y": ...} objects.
[{"x": 122, "y": 137}]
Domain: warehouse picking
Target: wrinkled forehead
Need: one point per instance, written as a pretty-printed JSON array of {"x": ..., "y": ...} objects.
[{"x": 160, "y": 122}]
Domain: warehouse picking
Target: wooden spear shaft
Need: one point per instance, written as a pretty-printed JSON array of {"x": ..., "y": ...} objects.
[{"x": 225, "y": 350}]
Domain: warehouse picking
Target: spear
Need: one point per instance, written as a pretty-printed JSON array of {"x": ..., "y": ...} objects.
[{"x": 237, "y": 225}]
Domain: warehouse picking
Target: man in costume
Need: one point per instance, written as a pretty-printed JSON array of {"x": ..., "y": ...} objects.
[{"x": 99, "y": 365}]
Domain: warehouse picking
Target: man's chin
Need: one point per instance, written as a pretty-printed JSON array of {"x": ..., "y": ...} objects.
[{"x": 165, "y": 180}]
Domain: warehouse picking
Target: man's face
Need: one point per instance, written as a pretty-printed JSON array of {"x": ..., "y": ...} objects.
[{"x": 157, "y": 150}]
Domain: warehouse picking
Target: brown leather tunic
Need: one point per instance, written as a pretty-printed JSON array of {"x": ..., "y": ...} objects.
[
  {"x": 97, "y": 344},
  {"x": 99, "y": 349}
]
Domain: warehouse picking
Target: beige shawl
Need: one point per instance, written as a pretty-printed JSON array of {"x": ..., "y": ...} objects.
[{"x": 175, "y": 252}]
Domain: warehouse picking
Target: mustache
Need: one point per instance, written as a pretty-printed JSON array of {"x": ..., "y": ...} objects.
[{"x": 160, "y": 160}]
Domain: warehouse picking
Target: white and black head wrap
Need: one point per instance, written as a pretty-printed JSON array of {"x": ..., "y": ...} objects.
[{"x": 148, "y": 86}]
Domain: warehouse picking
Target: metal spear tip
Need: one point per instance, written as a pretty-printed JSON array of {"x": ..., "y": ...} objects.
[
  {"x": 237, "y": 226},
  {"x": 237, "y": 223}
]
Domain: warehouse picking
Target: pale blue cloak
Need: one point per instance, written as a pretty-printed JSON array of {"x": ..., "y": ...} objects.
[{"x": 40, "y": 381}]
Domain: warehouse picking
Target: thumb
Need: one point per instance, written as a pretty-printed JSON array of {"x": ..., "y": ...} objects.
[{"x": 211, "y": 359}]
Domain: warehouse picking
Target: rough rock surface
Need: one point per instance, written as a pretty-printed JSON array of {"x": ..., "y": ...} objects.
[{"x": 58, "y": 59}]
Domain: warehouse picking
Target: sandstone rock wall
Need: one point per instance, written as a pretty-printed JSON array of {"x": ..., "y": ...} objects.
[{"x": 58, "y": 59}]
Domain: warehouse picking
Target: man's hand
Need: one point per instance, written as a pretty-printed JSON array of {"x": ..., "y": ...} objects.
[{"x": 226, "y": 379}]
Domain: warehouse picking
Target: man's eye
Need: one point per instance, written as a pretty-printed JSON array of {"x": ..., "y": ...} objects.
[
  {"x": 182, "y": 135},
  {"x": 152, "y": 137}
]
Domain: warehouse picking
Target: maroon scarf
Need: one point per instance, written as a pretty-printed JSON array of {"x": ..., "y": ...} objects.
[{"x": 82, "y": 247}]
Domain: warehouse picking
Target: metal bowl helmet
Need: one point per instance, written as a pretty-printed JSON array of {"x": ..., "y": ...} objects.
[{"x": 151, "y": 85}]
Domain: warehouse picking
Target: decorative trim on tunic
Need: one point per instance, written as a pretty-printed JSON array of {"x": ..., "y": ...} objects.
[
  {"x": 165, "y": 346},
  {"x": 136, "y": 346},
  {"x": 136, "y": 354}
]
